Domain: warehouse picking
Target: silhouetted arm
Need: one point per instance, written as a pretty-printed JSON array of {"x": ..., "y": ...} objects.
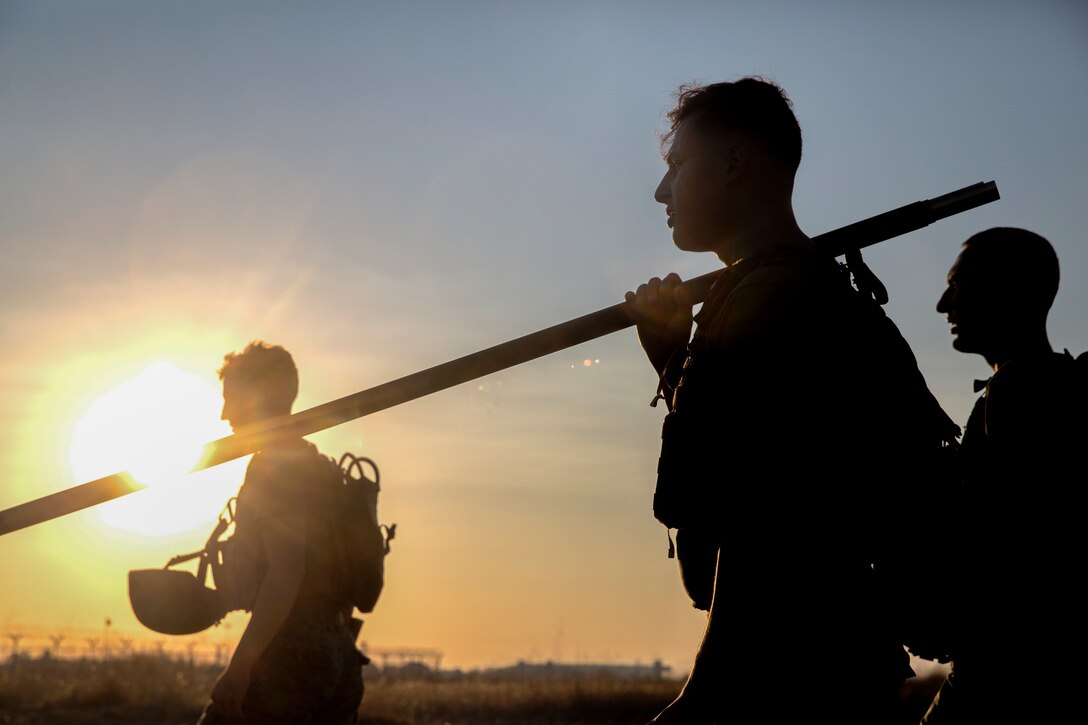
[
  {"x": 662, "y": 309},
  {"x": 285, "y": 548}
]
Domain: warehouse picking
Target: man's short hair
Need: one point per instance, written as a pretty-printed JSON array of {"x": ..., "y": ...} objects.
[
  {"x": 753, "y": 105},
  {"x": 263, "y": 370},
  {"x": 1018, "y": 261}
]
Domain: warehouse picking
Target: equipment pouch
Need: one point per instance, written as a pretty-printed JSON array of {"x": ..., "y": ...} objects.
[{"x": 678, "y": 501}]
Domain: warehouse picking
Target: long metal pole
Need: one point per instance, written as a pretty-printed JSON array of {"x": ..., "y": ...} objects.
[{"x": 861, "y": 234}]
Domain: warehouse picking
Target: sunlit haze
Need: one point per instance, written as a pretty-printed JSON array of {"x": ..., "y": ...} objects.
[
  {"x": 154, "y": 426},
  {"x": 382, "y": 187}
]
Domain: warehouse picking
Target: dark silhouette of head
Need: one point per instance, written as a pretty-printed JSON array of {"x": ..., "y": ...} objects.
[
  {"x": 258, "y": 383},
  {"x": 732, "y": 151},
  {"x": 1000, "y": 290},
  {"x": 751, "y": 105}
]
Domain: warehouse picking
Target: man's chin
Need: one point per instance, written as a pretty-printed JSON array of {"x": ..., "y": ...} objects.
[
  {"x": 961, "y": 345},
  {"x": 679, "y": 242},
  {"x": 685, "y": 244}
]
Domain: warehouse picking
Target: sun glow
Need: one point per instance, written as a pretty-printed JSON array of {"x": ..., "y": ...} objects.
[{"x": 154, "y": 426}]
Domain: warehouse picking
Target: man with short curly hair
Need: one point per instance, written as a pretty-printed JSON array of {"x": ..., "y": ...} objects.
[{"x": 296, "y": 662}]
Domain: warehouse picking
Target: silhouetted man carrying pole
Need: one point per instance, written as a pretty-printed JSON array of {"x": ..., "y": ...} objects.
[
  {"x": 781, "y": 454},
  {"x": 1015, "y": 618},
  {"x": 296, "y": 662}
]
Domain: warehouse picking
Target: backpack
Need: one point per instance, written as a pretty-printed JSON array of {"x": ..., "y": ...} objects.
[
  {"x": 348, "y": 499},
  {"x": 362, "y": 543},
  {"x": 926, "y": 454}
]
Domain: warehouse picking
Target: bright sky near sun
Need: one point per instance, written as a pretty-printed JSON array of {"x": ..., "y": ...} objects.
[{"x": 381, "y": 187}]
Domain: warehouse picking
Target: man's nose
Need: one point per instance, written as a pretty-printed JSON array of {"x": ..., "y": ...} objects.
[
  {"x": 661, "y": 193},
  {"x": 943, "y": 302}
]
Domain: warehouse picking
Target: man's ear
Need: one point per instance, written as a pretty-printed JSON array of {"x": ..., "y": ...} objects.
[{"x": 734, "y": 160}]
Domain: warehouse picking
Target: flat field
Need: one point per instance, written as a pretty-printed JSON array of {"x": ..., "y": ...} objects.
[{"x": 161, "y": 690}]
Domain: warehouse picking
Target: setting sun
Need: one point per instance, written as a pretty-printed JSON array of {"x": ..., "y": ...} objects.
[{"x": 154, "y": 425}]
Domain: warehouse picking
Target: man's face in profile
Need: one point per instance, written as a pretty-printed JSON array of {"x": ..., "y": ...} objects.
[
  {"x": 972, "y": 306},
  {"x": 694, "y": 189},
  {"x": 239, "y": 405}
]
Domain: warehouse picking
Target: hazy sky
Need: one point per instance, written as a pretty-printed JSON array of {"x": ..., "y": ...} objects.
[{"x": 381, "y": 187}]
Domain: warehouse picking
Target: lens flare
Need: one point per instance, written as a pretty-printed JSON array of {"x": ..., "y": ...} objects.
[{"x": 154, "y": 426}]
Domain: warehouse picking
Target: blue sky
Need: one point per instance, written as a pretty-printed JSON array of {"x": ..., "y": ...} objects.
[{"x": 382, "y": 187}]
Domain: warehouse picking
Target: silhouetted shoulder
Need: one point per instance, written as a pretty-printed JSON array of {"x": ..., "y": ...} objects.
[
  {"x": 1034, "y": 398},
  {"x": 278, "y": 479},
  {"x": 774, "y": 295}
]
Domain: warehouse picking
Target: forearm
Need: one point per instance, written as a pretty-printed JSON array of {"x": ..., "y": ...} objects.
[
  {"x": 669, "y": 374},
  {"x": 662, "y": 311},
  {"x": 274, "y": 601},
  {"x": 669, "y": 359},
  {"x": 275, "y": 597}
]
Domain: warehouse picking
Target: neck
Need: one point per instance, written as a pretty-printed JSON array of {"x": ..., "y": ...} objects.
[
  {"x": 1022, "y": 346},
  {"x": 767, "y": 228}
]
